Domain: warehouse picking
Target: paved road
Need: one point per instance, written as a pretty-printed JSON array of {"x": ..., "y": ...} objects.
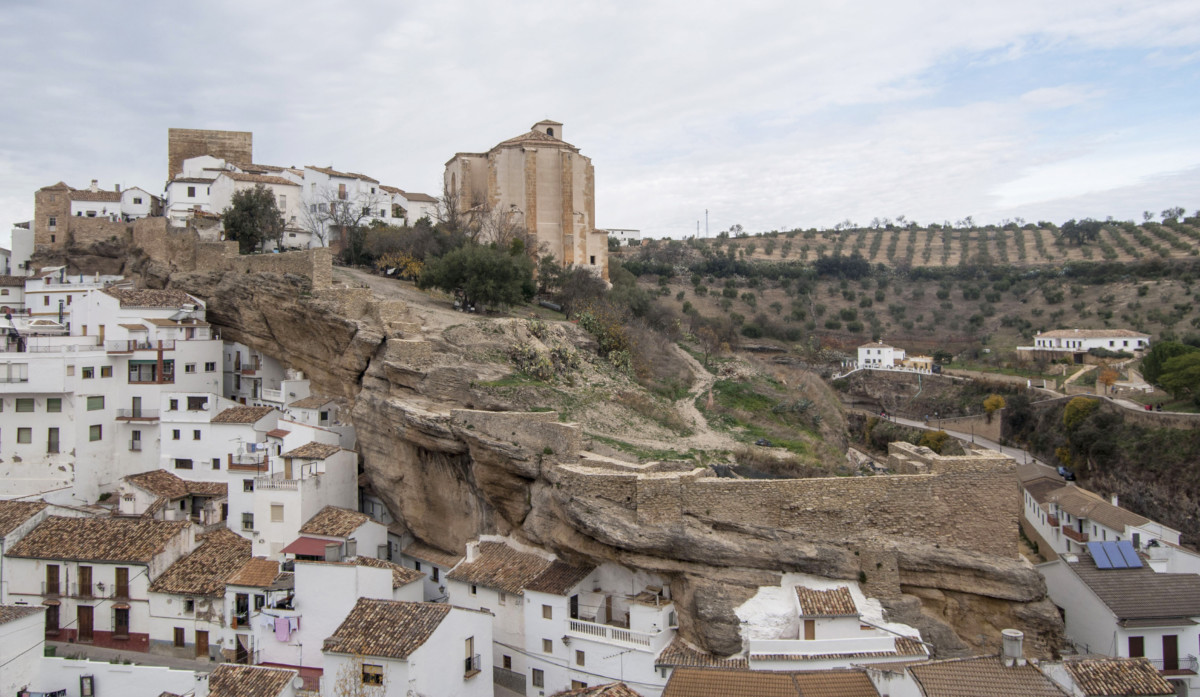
[{"x": 1021, "y": 456}]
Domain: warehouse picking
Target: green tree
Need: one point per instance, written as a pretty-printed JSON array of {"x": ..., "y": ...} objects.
[
  {"x": 992, "y": 404},
  {"x": 1156, "y": 359},
  {"x": 252, "y": 219},
  {"x": 1181, "y": 376},
  {"x": 481, "y": 275}
]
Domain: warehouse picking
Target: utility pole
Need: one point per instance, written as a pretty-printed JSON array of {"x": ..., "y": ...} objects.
[{"x": 706, "y": 223}]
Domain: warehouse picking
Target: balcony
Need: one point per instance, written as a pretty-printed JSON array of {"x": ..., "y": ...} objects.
[
  {"x": 613, "y": 635},
  {"x": 272, "y": 483},
  {"x": 137, "y": 415},
  {"x": 1184, "y": 665},
  {"x": 54, "y": 588},
  {"x": 246, "y": 463},
  {"x": 1053, "y": 520},
  {"x": 249, "y": 371},
  {"x": 1074, "y": 534},
  {"x": 471, "y": 666},
  {"x": 131, "y": 345},
  {"x": 275, "y": 396}
]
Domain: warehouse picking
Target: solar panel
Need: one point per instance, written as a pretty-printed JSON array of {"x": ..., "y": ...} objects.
[
  {"x": 1114, "y": 555},
  {"x": 1129, "y": 554},
  {"x": 1099, "y": 555}
]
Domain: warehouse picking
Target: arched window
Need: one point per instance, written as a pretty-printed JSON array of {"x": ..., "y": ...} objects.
[{"x": 550, "y": 131}]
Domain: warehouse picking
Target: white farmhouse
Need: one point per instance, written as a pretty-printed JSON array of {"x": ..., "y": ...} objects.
[
  {"x": 1074, "y": 343},
  {"x": 879, "y": 355},
  {"x": 1122, "y": 607},
  {"x": 396, "y": 648},
  {"x": 138, "y": 203},
  {"x": 93, "y": 575},
  {"x": 187, "y": 601},
  {"x": 285, "y": 191}
]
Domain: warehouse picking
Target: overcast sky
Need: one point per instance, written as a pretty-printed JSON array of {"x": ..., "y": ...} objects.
[{"x": 772, "y": 115}]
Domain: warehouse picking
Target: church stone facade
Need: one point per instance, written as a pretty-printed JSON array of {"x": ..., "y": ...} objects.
[{"x": 545, "y": 182}]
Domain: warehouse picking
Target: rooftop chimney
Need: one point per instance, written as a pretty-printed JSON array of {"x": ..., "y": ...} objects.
[
  {"x": 1013, "y": 653},
  {"x": 1114, "y": 500},
  {"x": 94, "y": 186},
  {"x": 117, "y": 188},
  {"x": 472, "y": 550}
]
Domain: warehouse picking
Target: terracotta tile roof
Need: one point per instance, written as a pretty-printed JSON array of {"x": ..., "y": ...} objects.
[
  {"x": 311, "y": 402},
  {"x": 179, "y": 178},
  {"x": 163, "y": 322},
  {"x": 313, "y": 451},
  {"x": 386, "y": 628},
  {"x": 131, "y": 297},
  {"x": 876, "y": 344},
  {"x": 835, "y": 602},
  {"x": 981, "y": 677},
  {"x": 612, "y": 689},
  {"x": 277, "y": 433},
  {"x": 1042, "y": 486},
  {"x": 391, "y": 189},
  {"x": 258, "y": 178},
  {"x": 1085, "y": 504},
  {"x": 165, "y": 484},
  {"x": 414, "y": 196},
  {"x": 1091, "y": 334},
  {"x": 400, "y": 575},
  {"x": 699, "y": 682},
  {"x": 680, "y": 653},
  {"x": 135, "y": 327},
  {"x": 256, "y": 572},
  {"x": 1117, "y": 676},
  {"x": 233, "y": 680},
  {"x": 242, "y": 415},
  {"x": 332, "y": 521},
  {"x": 132, "y": 540},
  {"x": 501, "y": 567},
  {"x": 13, "y": 513},
  {"x": 98, "y": 196},
  {"x": 560, "y": 578},
  {"x": 12, "y": 281},
  {"x": 432, "y": 555},
  {"x": 345, "y": 175},
  {"x": 259, "y": 169},
  {"x": 206, "y": 570},
  {"x": 11, "y": 613},
  {"x": 535, "y": 137},
  {"x": 1137, "y": 594}
]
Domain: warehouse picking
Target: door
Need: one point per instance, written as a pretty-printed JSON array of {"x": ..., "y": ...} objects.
[
  {"x": 242, "y": 652},
  {"x": 136, "y": 408},
  {"x": 85, "y": 581},
  {"x": 574, "y": 607},
  {"x": 608, "y": 617},
  {"x": 1137, "y": 646},
  {"x": 201, "y": 644},
  {"x": 52, "y": 440},
  {"x": 121, "y": 622},
  {"x": 810, "y": 630},
  {"x": 1170, "y": 652},
  {"x": 122, "y": 590},
  {"x": 83, "y": 620}
]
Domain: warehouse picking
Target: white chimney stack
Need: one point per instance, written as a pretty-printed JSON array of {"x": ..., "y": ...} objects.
[
  {"x": 1013, "y": 653},
  {"x": 472, "y": 550},
  {"x": 1114, "y": 500}
]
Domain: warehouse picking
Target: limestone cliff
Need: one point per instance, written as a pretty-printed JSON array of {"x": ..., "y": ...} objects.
[{"x": 450, "y": 470}]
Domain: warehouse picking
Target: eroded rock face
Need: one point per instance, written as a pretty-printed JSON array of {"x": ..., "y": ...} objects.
[{"x": 448, "y": 483}]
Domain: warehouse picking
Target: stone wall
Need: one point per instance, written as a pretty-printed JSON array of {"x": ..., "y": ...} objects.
[
  {"x": 184, "y": 143},
  {"x": 88, "y": 230},
  {"x": 1138, "y": 417},
  {"x": 534, "y": 431}
]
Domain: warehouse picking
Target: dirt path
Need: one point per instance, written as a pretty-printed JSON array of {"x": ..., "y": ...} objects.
[{"x": 704, "y": 437}]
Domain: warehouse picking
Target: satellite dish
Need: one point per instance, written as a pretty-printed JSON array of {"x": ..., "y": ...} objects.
[{"x": 298, "y": 683}]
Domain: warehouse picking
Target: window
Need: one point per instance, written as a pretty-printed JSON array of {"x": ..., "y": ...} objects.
[
  {"x": 210, "y": 367},
  {"x": 508, "y": 663},
  {"x": 537, "y": 677},
  {"x": 122, "y": 582},
  {"x": 24, "y": 435},
  {"x": 95, "y": 403},
  {"x": 52, "y": 579},
  {"x": 277, "y": 513},
  {"x": 175, "y": 434},
  {"x": 579, "y": 657},
  {"x": 189, "y": 367},
  {"x": 503, "y": 598},
  {"x": 578, "y": 685},
  {"x": 247, "y": 521},
  {"x": 189, "y": 605},
  {"x": 183, "y": 463},
  {"x": 191, "y": 192},
  {"x": 174, "y": 405},
  {"x": 547, "y": 646},
  {"x": 436, "y": 573},
  {"x": 106, "y": 371},
  {"x": 53, "y": 404},
  {"x": 216, "y": 463},
  {"x": 1137, "y": 646},
  {"x": 372, "y": 674},
  {"x": 593, "y": 260},
  {"x": 24, "y": 403},
  {"x": 53, "y": 221},
  {"x": 197, "y": 403},
  {"x": 547, "y": 612},
  {"x": 196, "y": 434},
  {"x": 417, "y": 565},
  {"x": 137, "y": 200},
  {"x": 52, "y": 440},
  {"x": 95, "y": 432},
  {"x": 247, "y": 485},
  {"x": 179, "y": 637},
  {"x": 474, "y": 589}
]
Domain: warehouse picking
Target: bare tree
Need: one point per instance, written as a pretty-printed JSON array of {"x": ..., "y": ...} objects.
[
  {"x": 331, "y": 215},
  {"x": 351, "y": 681},
  {"x": 448, "y": 211}
]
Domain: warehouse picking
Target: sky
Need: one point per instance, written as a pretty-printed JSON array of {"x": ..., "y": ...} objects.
[{"x": 769, "y": 115}]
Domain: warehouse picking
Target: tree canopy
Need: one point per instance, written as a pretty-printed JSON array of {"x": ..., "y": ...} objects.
[
  {"x": 1154, "y": 363},
  {"x": 252, "y": 218},
  {"x": 484, "y": 275},
  {"x": 1181, "y": 375}
]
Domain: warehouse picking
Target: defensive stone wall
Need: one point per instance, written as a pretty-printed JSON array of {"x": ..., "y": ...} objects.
[
  {"x": 184, "y": 143},
  {"x": 89, "y": 230},
  {"x": 979, "y": 425},
  {"x": 1138, "y": 417}
]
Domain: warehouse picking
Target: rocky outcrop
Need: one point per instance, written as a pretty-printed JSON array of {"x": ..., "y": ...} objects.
[{"x": 449, "y": 476}]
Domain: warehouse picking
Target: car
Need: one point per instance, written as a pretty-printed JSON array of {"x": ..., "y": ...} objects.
[
  {"x": 763, "y": 442},
  {"x": 1066, "y": 473}
]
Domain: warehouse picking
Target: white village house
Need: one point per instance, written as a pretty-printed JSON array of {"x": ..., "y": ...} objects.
[{"x": 1075, "y": 343}]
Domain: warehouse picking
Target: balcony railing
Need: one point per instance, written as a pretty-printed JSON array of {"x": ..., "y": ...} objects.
[
  {"x": 1184, "y": 665},
  {"x": 137, "y": 415},
  {"x": 276, "y": 484},
  {"x": 131, "y": 345},
  {"x": 603, "y": 632},
  {"x": 135, "y": 446},
  {"x": 1075, "y": 534},
  {"x": 246, "y": 463},
  {"x": 1053, "y": 520},
  {"x": 272, "y": 395},
  {"x": 51, "y": 588},
  {"x": 471, "y": 666}
]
